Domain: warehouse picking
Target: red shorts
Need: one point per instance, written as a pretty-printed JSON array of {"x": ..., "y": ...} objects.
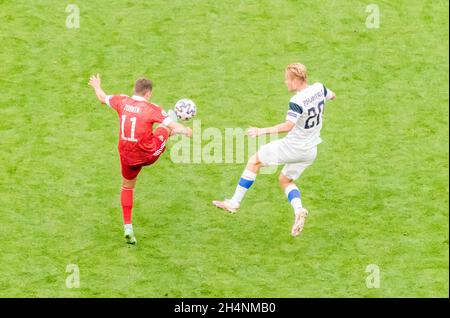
[{"x": 131, "y": 172}]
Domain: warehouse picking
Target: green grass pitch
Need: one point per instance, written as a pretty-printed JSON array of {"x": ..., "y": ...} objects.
[{"x": 377, "y": 193}]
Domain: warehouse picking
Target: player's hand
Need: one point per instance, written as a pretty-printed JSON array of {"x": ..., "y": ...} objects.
[
  {"x": 95, "y": 81},
  {"x": 253, "y": 132}
]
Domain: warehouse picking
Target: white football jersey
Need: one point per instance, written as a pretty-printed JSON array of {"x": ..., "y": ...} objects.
[{"x": 305, "y": 111}]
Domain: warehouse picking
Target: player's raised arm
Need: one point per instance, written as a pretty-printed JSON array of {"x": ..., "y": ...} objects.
[
  {"x": 280, "y": 128},
  {"x": 95, "y": 83}
]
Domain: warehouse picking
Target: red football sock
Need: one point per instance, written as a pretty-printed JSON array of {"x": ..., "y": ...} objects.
[{"x": 126, "y": 197}]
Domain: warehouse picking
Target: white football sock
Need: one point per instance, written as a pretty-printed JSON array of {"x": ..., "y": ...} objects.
[
  {"x": 246, "y": 181},
  {"x": 293, "y": 195}
]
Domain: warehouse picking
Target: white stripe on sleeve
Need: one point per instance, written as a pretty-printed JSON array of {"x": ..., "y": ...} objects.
[
  {"x": 107, "y": 98},
  {"x": 167, "y": 121}
]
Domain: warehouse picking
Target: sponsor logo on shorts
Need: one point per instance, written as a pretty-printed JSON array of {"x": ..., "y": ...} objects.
[{"x": 160, "y": 150}]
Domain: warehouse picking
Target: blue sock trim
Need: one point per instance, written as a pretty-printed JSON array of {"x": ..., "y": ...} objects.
[
  {"x": 245, "y": 183},
  {"x": 293, "y": 194}
]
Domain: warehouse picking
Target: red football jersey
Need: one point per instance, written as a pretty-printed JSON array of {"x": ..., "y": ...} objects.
[{"x": 137, "y": 116}]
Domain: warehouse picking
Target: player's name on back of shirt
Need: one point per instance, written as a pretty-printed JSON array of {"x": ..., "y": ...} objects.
[
  {"x": 311, "y": 99},
  {"x": 132, "y": 109}
]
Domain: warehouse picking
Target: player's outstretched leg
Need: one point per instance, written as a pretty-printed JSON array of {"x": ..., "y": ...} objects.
[
  {"x": 248, "y": 177},
  {"x": 126, "y": 198},
  {"x": 293, "y": 195}
]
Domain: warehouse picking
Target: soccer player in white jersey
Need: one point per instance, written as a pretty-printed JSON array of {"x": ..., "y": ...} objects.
[{"x": 296, "y": 151}]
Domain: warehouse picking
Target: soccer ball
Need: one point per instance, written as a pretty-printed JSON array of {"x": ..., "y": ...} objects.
[{"x": 185, "y": 109}]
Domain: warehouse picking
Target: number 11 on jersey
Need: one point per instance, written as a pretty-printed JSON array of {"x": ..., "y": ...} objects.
[{"x": 133, "y": 127}]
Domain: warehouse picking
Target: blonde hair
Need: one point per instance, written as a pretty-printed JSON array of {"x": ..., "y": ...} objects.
[{"x": 297, "y": 70}]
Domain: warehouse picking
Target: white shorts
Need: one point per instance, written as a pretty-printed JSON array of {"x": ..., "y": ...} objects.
[{"x": 278, "y": 152}]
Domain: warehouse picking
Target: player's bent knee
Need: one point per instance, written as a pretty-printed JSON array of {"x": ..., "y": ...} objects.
[
  {"x": 163, "y": 128},
  {"x": 253, "y": 164},
  {"x": 284, "y": 180},
  {"x": 254, "y": 160}
]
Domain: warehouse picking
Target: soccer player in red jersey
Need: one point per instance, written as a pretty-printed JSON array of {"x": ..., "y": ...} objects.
[{"x": 139, "y": 144}]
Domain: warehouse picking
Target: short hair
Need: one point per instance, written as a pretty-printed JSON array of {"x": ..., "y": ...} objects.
[
  {"x": 297, "y": 70},
  {"x": 143, "y": 86}
]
